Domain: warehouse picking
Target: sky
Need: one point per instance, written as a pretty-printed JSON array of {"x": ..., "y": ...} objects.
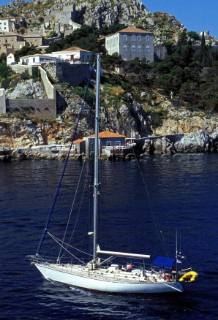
[{"x": 195, "y": 15}]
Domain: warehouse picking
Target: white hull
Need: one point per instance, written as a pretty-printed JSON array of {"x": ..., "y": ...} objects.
[{"x": 104, "y": 281}]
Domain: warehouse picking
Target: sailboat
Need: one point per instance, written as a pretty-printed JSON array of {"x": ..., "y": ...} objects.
[{"x": 102, "y": 274}]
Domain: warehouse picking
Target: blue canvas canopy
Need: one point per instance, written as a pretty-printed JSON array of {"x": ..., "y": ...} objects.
[{"x": 163, "y": 262}]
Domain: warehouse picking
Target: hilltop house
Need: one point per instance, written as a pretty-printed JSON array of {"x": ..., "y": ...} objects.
[
  {"x": 131, "y": 43},
  {"x": 73, "y": 54},
  {"x": 10, "y": 42},
  {"x": 36, "y": 59},
  {"x": 7, "y": 25},
  {"x": 33, "y": 40},
  {"x": 11, "y": 24}
]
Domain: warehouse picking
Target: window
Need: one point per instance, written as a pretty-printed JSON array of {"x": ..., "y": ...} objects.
[
  {"x": 125, "y": 37},
  {"x": 125, "y": 48},
  {"x": 108, "y": 143},
  {"x": 133, "y": 49},
  {"x": 139, "y": 38},
  {"x": 118, "y": 143},
  {"x": 147, "y": 39},
  {"x": 139, "y": 49},
  {"x": 148, "y": 49},
  {"x": 133, "y": 38}
]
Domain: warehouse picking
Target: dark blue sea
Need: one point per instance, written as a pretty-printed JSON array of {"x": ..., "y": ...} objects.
[{"x": 182, "y": 193}]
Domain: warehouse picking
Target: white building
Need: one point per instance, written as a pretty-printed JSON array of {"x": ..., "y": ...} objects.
[
  {"x": 10, "y": 59},
  {"x": 71, "y": 27},
  {"x": 36, "y": 59},
  {"x": 7, "y": 25},
  {"x": 131, "y": 43},
  {"x": 10, "y": 24},
  {"x": 73, "y": 54}
]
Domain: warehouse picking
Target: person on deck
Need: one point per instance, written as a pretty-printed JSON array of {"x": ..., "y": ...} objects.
[{"x": 129, "y": 267}]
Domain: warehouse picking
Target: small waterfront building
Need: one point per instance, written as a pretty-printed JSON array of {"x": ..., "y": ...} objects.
[
  {"x": 107, "y": 140},
  {"x": 79, "y": 146}
]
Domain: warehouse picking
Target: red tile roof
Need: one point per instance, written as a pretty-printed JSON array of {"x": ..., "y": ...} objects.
[
  {"x": 108, "y": 134},
  {"x": 74, "y": 49},
  {"x": 77, "y": 141},
  {"x": 134, "y": 30}
]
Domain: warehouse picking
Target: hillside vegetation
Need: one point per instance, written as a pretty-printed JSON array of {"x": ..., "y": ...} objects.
[{"x": 188, "y": 73}]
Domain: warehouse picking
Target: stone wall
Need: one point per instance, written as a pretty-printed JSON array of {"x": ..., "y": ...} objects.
[
  {"x": 73, "y": 74},
  {"x": 19, "y": 68},
  {"x": 49, "y": 88},
  {"x": 42, "y": 108},
  {"x": 2, "y": 101}
]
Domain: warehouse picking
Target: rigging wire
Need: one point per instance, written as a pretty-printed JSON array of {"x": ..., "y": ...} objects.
[
  {"x": 71, "y": 210},
  {"x": 70, "y": 253},
  {"x": 69, "y": 245},
  {"x": 159, "y": 232},
  {"x": 65, "y": 165},
  {"x": 159, "y": 228}
]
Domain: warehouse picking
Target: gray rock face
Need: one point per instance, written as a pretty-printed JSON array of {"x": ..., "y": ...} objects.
[
  {"x": 194, "y": 142},
  {"x": 214, "y": 138},
  {"x": 158, "y": 146},
  {"x": 27, "y": 90},
  {"x": 100, "y": 13},
  {"x": 197, "y": 142}
]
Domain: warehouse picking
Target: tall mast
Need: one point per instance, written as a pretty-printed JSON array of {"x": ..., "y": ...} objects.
[
  {"x": 176, "y": 252},
  {"x": 96, "y": 182}
]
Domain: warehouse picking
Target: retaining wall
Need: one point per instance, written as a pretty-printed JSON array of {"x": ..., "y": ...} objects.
[
  {"x": 2, "y": 101},
  {"x": 62, "y": 71},
  {"x": 42, "y": 108},
  {"x": 49, "y": 88}
]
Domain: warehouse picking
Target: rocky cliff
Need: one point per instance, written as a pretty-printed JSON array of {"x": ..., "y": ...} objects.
[
  {"x": 94, "y": 13},
  {"x": 180, "y": 129},
  {"x": 98, "y": 13}
]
